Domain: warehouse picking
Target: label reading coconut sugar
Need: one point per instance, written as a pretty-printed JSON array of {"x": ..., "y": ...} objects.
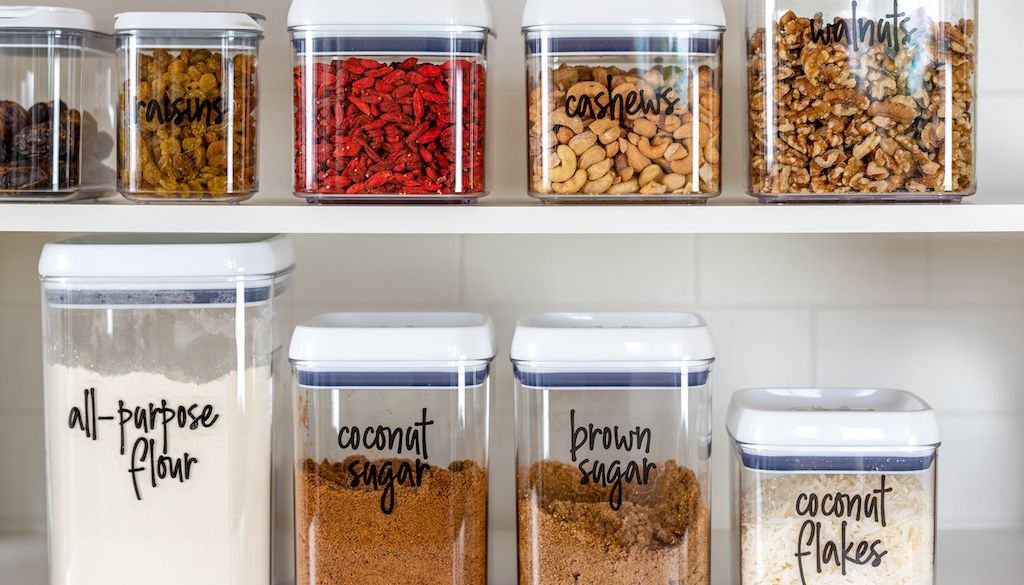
[
  {"x": 611, "y": 473},
  {"x": 385, "y": 475},
  {"x": 828, "y": 537},
  {"x": 147, "y": 435}
]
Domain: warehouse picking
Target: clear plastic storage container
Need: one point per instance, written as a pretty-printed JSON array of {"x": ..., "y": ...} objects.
[
  {"x": 189, "y": 105},
  {"x": 390, "y": 100},
  {"x": 624, "y": 101},
  {"x": 391, "y": 435},
  {"x": 161, "y": 359},
  {"x": 56, "y": 106},
  {"x": 833, "y": 487},
  {"x": 867, "y": 101},
  {"x": 613, "y": 418}
]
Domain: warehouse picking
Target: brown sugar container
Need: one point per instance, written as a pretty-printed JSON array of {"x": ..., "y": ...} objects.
[
  {"x": 860, "y": 102},
  {"x": 189, "y": 101},
  {"x": 613, "y": 418},
  {"x": 391, "y": 435}
]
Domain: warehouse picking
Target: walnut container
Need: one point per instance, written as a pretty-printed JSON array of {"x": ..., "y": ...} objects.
[{"x": 861, "y": 102}]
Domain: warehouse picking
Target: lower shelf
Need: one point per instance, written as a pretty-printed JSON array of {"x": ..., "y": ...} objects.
[{"x": 992, "y": 557}]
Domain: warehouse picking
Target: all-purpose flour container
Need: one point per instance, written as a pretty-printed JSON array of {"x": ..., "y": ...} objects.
[
  {"x": 624, "y": 99},
  {"x": 834, "y": 487},
  {"x": 391, "y": 434},
  {"x": 613, "y": 418},
  {"x": 161, "y": 355}
]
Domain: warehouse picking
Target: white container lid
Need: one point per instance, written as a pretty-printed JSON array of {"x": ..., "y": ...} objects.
[
  {"x": 615, "y": 13},
  {"x": 47, "y": 18},
  {"x": 807, "y": 418},
  {"x": 138, "y": 260},
  {"x": 394, "y": 337},
  {"x": 206, "y": 21},
  {"x": 394, "y": 13},
  {"x": 612, "y": 337}
]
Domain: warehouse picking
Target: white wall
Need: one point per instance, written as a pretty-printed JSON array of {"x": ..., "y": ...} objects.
[{"x": 942, "y": 316}]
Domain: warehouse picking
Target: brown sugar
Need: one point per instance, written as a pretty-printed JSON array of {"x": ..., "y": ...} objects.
[
  {"x": 569, "y": 533},
  {"x": 436, "y": 532}
]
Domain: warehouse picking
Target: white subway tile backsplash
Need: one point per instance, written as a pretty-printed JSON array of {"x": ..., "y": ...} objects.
[
  {"x": 981, "y": 471},
  {"x": 386, "y": 272},
  {"x": 980, "y": 269},
  {"x": 22, "y": 470},
  {"x": 589, "y": 272},
  {"x": 21, "y": 390},
  {"x": 817, "y": 270},
  {"x": 959, "y": 360}
]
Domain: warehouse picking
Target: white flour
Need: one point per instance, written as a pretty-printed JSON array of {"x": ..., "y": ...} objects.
[{"x": 212, "y": 528}]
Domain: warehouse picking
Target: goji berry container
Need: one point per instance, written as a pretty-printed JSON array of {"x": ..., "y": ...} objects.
[
  {"x": 189, "y": 103},
  {"x": 391, "y": 437},
  {"x": 390, "y": 100},
  {"x": 862, "y": 102},
  {"x": 56, "y": 110},
  {"x": 613, "y": 425},
  {"x": 833, "y": 486},
  {"x": 624, "y": 100}
]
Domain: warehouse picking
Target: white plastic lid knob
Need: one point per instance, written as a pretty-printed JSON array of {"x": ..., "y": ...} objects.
[
  {"x": 615, "y": 13},
  {"x": 394, "y": 337},
  {"x": 400, "y": 13},
  {"x": 612, "y": 338},
  {"x": 47, "y": 18},
  {"x": 831, "y": 418}
]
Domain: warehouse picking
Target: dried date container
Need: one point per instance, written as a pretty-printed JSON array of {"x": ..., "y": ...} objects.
[
  {"x": 613, "y": 419},
  {"x": 390, "y": 100},
  {"x": 833, "y": 487},
  {"x": 391, "y": 435},
  {"x": 189, "y": 103},
  {"x": 624, "y": 105},
  {"x": 56, "y": 107},
  {"x": 162, "y": 355},
  {"x": 860, "y": 102}
]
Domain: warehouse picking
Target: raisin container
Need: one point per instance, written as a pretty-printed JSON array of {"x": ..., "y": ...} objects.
[
  {"x": 624, "y": 105},
  {"x": 390, "y": 100},
  {"x": 56, "y": 110},
  {"x": 860, "y": 102},
  {"x": 163, "y": 356},
  {"x": 833, "y": 487},
  {"x": 391, "y": 435},
  {"x": 613, "y": 419},
  {"x": 189, "y": 102}
]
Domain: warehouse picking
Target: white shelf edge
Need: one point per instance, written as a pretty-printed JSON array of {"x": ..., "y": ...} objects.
[
  {"x": 988, "y": 215},
  {"x": 992, "y": 557}
]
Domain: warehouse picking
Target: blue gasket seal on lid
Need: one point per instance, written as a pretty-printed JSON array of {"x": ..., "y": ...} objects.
[
  {"x": 443, "y": 379},
  {"x": 838, "y": 464},
  {"x": 584, "y": 380}
]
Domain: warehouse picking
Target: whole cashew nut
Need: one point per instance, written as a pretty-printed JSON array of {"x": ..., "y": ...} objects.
[
  {"x": 649, "y": 174},
  {"x": 632, "y": 186},
  {"x": 636, "y": 159},
  {"x": 599, "y": 186},
  {"x": 607, "y": 130},
  {"x": 560, "y": 118},
  {"x": 581, "y": 142},
  {"x": 569, "y": 164},
  {"x": 600, "y": 169},
  {"x": 573, "y": 185},
  {"x": 651, "y": 152},
  {"x": 592, "y": 156}
]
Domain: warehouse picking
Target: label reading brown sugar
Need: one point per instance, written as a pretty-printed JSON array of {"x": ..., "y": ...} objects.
[{"x": 611, "y": 474}]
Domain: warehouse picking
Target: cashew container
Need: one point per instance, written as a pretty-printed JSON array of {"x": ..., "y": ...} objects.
[
  {"x": 624, "y": 105},
  {"x": 390, "y": 100},
  {"x": 56, "y": 110},
  {"x": 869, "y": 101}
]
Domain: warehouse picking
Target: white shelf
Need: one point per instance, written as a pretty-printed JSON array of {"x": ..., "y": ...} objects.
[
  {"x": 987, "y": 214},
  {"x": 992, "y": 557}
]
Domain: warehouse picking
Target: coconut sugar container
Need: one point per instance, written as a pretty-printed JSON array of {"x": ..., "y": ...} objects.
[
  {"x": 391, "y": 436},
  {"x": 862, "y": 102},
  {"x": 613, "y": 418},
  {"x": 189, "y": 106},
  {"x": 833, "y": 487},
  {"x": 161, "y": 357},
  {"x": 56, "y": 106},
  {"x": 624, "y": 102},
  {"x": 390, "y": 100}
]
